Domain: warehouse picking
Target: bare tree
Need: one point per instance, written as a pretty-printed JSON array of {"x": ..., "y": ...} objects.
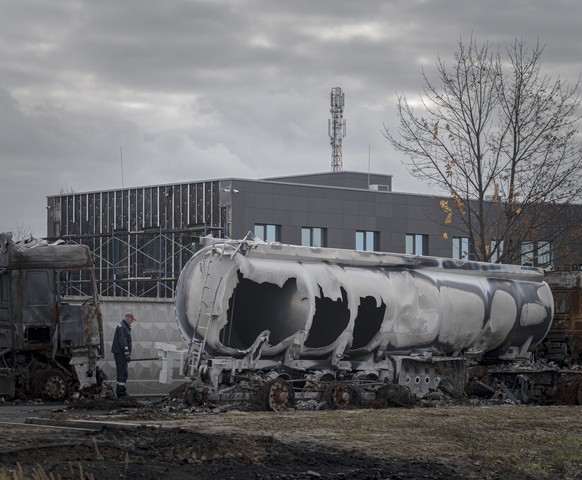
[
  {"x": 22, "y": 231},
  {"x": 501, "y": 138}
]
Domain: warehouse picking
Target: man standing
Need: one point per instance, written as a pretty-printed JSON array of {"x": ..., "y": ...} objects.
[{"x": 121, "y": 349}]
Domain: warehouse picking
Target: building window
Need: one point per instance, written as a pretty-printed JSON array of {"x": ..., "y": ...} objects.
[
  {"x": 268, "y": 233},
  {"x": 367, "y": 241},
  {"x": 313, "y": 237},
  {"x": 120, "y": 254},
  {"x": 496, "y": 249},
  {"x": 544, "y": 254},
  {"x": 462, "y": 249},
  {"x": 151, "y": 253},
  {"x": 537, "y": 254},
  {"x": 527, "y": 253},
  {"x": 416, "y": 244}
]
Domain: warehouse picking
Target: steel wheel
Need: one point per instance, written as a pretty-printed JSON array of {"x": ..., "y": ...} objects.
[
  {"x": 53, "y": 385},
  {"x": 339, "y": 396},
  {"x": 278, "y": 395}
]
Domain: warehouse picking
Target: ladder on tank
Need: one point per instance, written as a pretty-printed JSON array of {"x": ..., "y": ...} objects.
[{"x": 196, "y": 348}]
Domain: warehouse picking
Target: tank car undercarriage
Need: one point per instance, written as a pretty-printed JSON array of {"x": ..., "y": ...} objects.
[{"x": 397, "y": 381}]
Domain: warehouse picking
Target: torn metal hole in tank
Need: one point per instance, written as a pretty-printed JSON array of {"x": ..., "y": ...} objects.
[
  {"x": 256, "y": 307},
  {"x": 330, "y": 320},
  {"x": 368, "y": 321}
]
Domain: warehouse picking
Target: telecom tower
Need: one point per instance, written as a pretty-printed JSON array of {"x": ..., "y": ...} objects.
[{"x": 336, "y": 127}]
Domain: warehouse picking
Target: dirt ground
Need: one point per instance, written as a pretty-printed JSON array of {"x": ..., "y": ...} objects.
[{"x": 161, "y": 440}]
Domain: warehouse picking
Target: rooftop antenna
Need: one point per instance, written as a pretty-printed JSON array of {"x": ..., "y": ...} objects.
[
  {"x": 369, "y": 160},
  {"x": 336, "y": 127},
  {"x": 121, "y": 158}
]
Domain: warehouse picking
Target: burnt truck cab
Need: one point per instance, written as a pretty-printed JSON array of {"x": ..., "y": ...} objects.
[
  {"x": 51, "y": 332},
  {"x": 563, "y": 344}
]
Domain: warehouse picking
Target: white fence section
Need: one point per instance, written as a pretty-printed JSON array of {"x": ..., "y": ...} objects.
[{"x": 156, "y": 323}]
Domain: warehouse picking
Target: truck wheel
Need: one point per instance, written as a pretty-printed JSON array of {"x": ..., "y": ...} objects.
[
  {"x": 394, "y": 395},
  {"x": 195, "y": 397},
  {"x": 53, "y": 385},
  {"x": 339, "y": 395},
  {"x": 278, "y": 395}
]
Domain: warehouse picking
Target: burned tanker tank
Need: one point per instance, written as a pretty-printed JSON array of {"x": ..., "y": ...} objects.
[{"x": 338, "y": 314}]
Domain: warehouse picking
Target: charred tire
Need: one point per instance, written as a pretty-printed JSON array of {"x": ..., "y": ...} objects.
[
  {"x": 278, "y": 395},
  {"x": 52, "y": 385},
  {"x": 394, "y": 395},
  {"x": 195, "y": 397},
  {"x": 340, "y": 395}
]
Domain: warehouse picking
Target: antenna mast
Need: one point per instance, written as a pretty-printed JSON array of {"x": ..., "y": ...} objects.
[{"x": 336, "y": 127}]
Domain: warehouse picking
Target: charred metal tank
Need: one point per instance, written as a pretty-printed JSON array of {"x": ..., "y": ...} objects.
[
  {"x": 244, "y": 305},
  {"x": 337, "y": 305}
]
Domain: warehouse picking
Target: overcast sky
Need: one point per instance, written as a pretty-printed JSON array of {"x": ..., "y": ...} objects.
[{"x": 184, "y": 90}]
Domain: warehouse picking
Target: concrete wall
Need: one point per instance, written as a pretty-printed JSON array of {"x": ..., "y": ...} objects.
[{"x": 156, "y": 322}]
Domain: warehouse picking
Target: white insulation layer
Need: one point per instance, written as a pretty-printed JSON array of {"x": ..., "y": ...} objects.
[{"x": 228, "y": 294}]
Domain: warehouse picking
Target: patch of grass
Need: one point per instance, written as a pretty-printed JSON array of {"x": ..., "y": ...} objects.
[
  {"x": 38, "y": 473},
  {"x": 545, "y": 442},
  {"x": 538, "y": 441}
]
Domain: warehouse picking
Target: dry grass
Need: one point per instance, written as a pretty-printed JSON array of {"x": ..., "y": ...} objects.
[
  {"x": 38, "y": 473},
  {"x": 541, "y": 441}
]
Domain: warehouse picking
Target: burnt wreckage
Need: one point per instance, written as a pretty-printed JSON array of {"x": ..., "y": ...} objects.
[
  {"x": 278, "y": 322},
  {"x": 51, "y": 333}
]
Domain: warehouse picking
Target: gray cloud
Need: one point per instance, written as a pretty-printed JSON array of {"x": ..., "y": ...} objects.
[{"x": 196, "y": 89}]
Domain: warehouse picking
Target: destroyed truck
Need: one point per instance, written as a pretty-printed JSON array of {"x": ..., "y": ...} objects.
[
  {"x": 563, "y": 344},
  {"x": 278, "y": 322},
  {"x": 51, "y": 333}
]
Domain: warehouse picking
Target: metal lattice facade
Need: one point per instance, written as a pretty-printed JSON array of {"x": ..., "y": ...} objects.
[{"x": 140, "y": 237}]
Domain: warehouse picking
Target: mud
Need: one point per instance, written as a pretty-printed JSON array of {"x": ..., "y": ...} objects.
[
  {"x": 167, "y": 438},
  {"x": 157, "y": 453}
]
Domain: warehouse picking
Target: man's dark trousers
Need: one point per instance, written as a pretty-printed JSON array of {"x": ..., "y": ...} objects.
[{"x": 121, "y": 366}]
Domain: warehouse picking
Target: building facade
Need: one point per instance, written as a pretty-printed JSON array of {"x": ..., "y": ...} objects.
[{"x": 142, "y": 237}]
